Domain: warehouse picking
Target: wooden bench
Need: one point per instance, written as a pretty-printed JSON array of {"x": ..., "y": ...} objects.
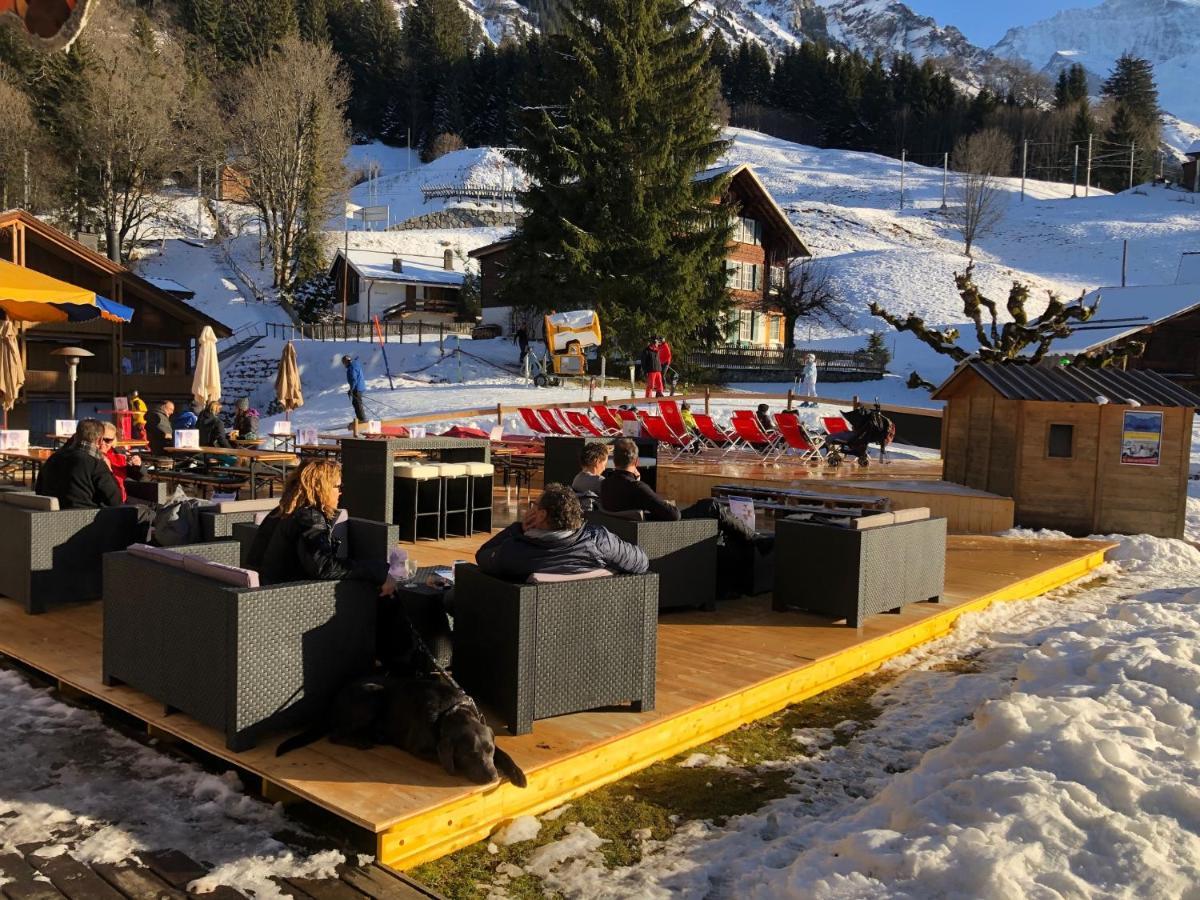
[{"x": 206, "y": 484}]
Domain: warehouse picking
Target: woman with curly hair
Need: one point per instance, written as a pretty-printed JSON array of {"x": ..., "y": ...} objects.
[{"x": 296, "y": 541}]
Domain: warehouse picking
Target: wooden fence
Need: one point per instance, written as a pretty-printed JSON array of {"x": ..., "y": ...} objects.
[
  {"x": 740, "y": 364},
  {"x": 364, "y": 332}
]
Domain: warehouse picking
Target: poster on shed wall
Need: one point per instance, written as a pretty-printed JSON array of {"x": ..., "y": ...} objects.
[{"x": 1141, "y": 438}]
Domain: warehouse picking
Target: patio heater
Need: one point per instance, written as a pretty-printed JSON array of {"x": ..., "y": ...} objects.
[{"x": 72, "y": 356}]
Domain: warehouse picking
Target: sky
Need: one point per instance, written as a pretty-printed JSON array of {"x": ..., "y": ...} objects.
[{"x": 985, "y": 23}]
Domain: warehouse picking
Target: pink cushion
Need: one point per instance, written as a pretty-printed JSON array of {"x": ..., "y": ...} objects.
[
  {"x": 231, "y": 575},
  {"x": 555, "y": 577}
]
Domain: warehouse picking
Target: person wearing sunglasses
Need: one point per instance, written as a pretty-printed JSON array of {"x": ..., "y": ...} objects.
[
  {"x": 122, "y": 466},
  {"x": 79, "y": 474}
]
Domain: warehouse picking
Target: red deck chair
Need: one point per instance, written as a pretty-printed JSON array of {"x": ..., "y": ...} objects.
[
  {"x": 713, "y": 435},
  {"x": 608, "y": 420},
  {"x": 581, "y": 423},
  {"x": 628, "y": 415},
  {"x": 555, "y": 424},
  {"x": 656, "y": 427},
  {"x": 797, "y": 438},
  {"x": 836, "y": 426},
  {"x": 669, "y": 410},
  {"x": 751, "y": 433},
  {"x": 532, "y": 421}
]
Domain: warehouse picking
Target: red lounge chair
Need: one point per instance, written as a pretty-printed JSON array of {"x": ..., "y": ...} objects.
[
  {"x": 532, "y": 421},
  {"x": 656, "y": 427},
  {"x": 608, "y": 420},
  {"x": 747, "y": 428},
  {"x": 582, "y": 424},
  {"x": 712, "y": 434},
  {"x": 627, "y": 415},
  {"x": 552, "y": 422},
  {"x": 836, "y": 426},
  {"x": 797, "y": 438},
  {"x": 669, "y": 410}
]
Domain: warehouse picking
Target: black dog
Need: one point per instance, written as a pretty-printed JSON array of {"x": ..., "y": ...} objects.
[{"x": 427, "y": 717}]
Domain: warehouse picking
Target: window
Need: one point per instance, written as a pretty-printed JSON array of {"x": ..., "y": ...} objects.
[
  {"x": 743, "y": 276},
  {"x": 144, "y": 361},
  {"x": 747, "y": 231},
  {"x": 1059, "y": 444}
]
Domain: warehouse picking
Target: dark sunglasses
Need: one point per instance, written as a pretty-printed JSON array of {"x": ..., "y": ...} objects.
[{"x": 108, "y": 440}]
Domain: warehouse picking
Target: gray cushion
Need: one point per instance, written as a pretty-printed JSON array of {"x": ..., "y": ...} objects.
[
  {"x": 194, "y": 565},
  {"x": 230, "y": 506},
  {"x": 554, "y": 577},
  {"x": 32, "y": 501}
]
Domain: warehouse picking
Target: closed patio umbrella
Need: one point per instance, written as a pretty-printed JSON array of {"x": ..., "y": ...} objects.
[
  {"x": 287, "y": 381},
  {"x": 206, "y": 382},
  {"x": 12, "y": 370}
]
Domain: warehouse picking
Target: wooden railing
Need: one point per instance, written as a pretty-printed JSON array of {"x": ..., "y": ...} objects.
[
  {"x": 844, "y": 362},
  {"x": 365, "y": 331}
]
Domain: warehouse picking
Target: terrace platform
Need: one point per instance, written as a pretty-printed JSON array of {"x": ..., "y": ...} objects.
[
  {"x": 907, "y": 483},
  {"x": 716, "y": 671}
]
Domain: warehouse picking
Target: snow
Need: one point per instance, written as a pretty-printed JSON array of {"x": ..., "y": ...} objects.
[
  {"x": 1065, "y": 766},
  {"x": 522, "y": 828},
  {"x": 377, "y": 265},
  {"x": 1134, "y": 307},
  {"x": 70, "y": 782}
]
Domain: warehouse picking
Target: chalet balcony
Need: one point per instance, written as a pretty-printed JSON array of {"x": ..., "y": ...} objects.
[{"x": 104, "y": 384}]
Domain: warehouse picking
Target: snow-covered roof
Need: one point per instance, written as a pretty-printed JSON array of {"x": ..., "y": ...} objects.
[
  {"x": 1189, "y": 268},
  {"x": 378, "y": 267},
  {"x": 782, "y": 219},
  {"x": 1194, "y": 149},
  {"x": 1124, "y": 311},
  {"x": 169, "y": 285}
]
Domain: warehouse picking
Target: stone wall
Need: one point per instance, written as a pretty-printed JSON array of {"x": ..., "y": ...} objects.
[{"x": 460, "y": 218}]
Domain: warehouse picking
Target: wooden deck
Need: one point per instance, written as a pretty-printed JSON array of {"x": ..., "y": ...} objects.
[
  {"x": 907, "y": 483},
  {"x": 716, "y": 671}
]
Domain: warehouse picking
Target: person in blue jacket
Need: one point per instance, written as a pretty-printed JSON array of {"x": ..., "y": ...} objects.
[{"x": 358, "y": 384}]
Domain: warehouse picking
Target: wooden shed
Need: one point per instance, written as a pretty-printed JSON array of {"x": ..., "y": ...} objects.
[{"x": 1086, "y": 451}]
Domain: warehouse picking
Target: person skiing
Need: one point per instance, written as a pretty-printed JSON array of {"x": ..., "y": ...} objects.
[
  {"x": 652, "y": 367},
  {"x": 809, "y": 376},
  {"x": 357, "y": 386}
]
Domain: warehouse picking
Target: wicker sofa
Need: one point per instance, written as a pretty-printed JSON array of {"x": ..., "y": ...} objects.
[
  {"x": 683, "y": 554},
  {"x": 849, "y": 574},
  {"x": 205, "y": 641},
  {"x": 217, "y": 523},
  {"x": 54, "y": 555},
  {"x": 531, "y": 651}
]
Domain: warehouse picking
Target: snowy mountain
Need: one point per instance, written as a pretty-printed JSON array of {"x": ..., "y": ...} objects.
[{"x": 1166, "y": 32}]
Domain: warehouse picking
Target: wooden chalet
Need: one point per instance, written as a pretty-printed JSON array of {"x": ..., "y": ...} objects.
[
  {"x": 153, "y": 354},
  {"x": 1191, "y": 168},
  {"x": 1080, "y": 450},
  {"x": 396, "y": 288},
  {"x": 764, "y": 243}
]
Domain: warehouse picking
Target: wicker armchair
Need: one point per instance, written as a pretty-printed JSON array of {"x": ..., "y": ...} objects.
[
  {"x": 217, "y": 523},
  {"x": 532, "y": 651},
  {"x": 54, "y": 556},
  {"x": 683, "y": 554},
  {"x": 242, "y": 660}
]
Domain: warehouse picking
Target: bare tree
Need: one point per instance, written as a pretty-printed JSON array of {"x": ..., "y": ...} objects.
[
  {"x": 289, "y": 138},
  {"x": 807, "y": 292},
  {"x": 128, "y": 116},
  {"x": 981, "y": 160},
  {"x": 27, "y": 163}
]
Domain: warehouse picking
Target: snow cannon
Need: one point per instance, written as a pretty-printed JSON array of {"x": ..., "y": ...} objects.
[{"x": 568, "y": 334}]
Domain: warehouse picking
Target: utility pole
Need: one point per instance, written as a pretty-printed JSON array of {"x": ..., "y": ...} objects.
[
  {"x": 1087, "y": 183},
  {"x": 1132, "y": 150},
  {"x": 945, "y": 176},
  {"x": 903, "y": 158},
  {"x": 1024, "y": 161},
  {"x": 1075, "y": 175}
]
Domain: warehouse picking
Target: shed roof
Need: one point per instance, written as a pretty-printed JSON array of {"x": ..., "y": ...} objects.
[
  {"x": 1125, "y": 311},
  {"x": 377, "y": 266},
  {"x": 1075, "y": 384}
]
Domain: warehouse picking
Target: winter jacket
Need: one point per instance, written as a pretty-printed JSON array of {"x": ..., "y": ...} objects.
[
  {"x": 245, "y": 423},
  {"x": 513, "y": 554},
  {"x": 184, "y": 420},
  {"x": 301, "y": 547},
  {"x": 138, "y": 406},
  {"x": 664, "y": 354},
  {"x": 651, "y": 361},
  {"x": 354, "y": 377},
  {"x": 80, "y": 478},
  {"x": 121, "y": 470},
  {"x": 212, "y": 430},
  {"x": 809, "y": 372},
  {"x": 159, "y": 433},
  {"x": 623, "y": 491}
]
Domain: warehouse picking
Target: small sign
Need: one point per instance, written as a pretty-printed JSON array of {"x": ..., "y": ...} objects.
[
  {"x": 282, "y": 427},
  {"x": 417, "y": 431},
  {"x": 187, "y": 438},
  {"x": 14, "y": 440},
  {"x": 120, "y": 404},
  {"x": 374, "y": 426},
  {"x": 743, "y": 508},
  {"x": 497, "y": 433},
  {"x": 65, "y": 428},
  {"x": 219, "y": 497},
  {"x": 631, "y": 427},
  {"x": 306, "y": 436},
  {"x": 1141, "y": 438}
]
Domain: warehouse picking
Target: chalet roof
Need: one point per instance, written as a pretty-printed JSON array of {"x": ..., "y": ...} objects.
[
  {"x": 170, "y": 285},
  {"x": 1074, "y": 384},
  {"x": 1124, "y": 311},
  {"x": 141, "y": 286},
  {"x": 1189, "y": 268},
  {"x": 377, "y": 266},
  {"x": 489, "y": 249},
  {"x": 745, "y": 173},
  {"x": 1194, "y": 149}
]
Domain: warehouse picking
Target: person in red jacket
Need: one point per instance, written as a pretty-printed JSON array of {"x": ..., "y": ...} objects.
[
  {"x": 664, "y": 352},
  {"x": 119, "y": 463}
]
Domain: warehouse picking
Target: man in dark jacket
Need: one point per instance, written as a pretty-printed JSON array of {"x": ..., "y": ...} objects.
[
  {"x": 159, "y": 432},
  {"x": 357, "y": 386},
  {"x": 554, "y": 539},
  {"x": 652, "y": 368},
  {"x": 78, "y": 474},
  {"x": 624, "y": 490}
]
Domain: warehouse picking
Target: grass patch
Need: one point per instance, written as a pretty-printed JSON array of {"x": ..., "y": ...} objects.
[{"x": 654, "y": 802}]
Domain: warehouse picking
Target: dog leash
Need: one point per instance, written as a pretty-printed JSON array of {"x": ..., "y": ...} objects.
[{"x": 419, "y": 642}]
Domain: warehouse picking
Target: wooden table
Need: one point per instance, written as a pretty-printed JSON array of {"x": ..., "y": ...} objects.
[
  {"x": 519, "y": 466},
  {"x": 22, "y": 463},
  {"x": 272, "y": 463},
  {"x": 288, "y": 439}
]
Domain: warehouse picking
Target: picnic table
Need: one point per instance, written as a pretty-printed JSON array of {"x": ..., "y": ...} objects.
[
  {"x": 519, "y": 465},
  {"x": 284, "y": 440},
  {"x": 791, "y": 501},
  {"x": 269, "y": 463},
  {"x": 22, "y": 464}
]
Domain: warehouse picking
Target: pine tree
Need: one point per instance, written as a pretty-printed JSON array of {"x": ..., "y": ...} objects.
[
  {"x": 367, "y": 37},
  {"x": 1083, "y": 124},
  {"x": 616, "y": 219},
  {"x": 1135, "y": 123},
  {"x": 312, "y": 16},
  {"x": 252, "y": 29},
  {"x": 1071, "y": 86},
  {"x": 204, "y": 19},
  {"x": 438, "y": 38}
]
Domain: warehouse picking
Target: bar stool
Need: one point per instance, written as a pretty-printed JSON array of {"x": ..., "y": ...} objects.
[
  {"x": 483, "y": 480},
  {"x": 418, "y": 509},
  {"x": 456, "y": 499}
]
